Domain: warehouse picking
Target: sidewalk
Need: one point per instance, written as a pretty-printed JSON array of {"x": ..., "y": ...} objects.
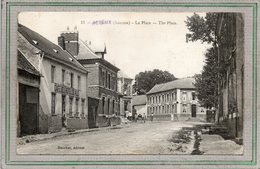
[
  {"x": 215, "y": 144},
  {"x": 39, "y": 137}
]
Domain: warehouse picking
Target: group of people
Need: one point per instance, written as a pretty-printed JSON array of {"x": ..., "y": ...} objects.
[{"x": 134, "y": 116}]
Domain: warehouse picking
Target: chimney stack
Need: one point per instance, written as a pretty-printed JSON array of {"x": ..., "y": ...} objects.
[{"x": 68, "y": 40}]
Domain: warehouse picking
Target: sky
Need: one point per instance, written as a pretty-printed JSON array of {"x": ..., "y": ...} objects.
[{"x": 133, "y": 45}]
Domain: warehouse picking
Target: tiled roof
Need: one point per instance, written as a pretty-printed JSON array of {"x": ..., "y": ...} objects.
[
  {"x": 24, "y": 64},
  {"x": 185, "y": 83},
  {"x": 139, "y": 100},
  {"x": 85, "y": 52},
  {"x": 50, "y": 49}
]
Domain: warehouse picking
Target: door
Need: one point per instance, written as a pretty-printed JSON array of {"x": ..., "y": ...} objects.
[
  {"x": 193, "y": 110},
  {"x": 63, "y": 109},
  {"x": 28, "y": 109}
]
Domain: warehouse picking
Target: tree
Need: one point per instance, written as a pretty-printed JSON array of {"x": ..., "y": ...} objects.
[
  {"x": 203, "y": 29},
  {"x": 206, "y": 82},
  {"x": 146, "y": 80}
]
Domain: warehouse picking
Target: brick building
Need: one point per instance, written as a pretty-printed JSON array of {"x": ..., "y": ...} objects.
[
  {"x": 231, "y": 83},
  {"x": 125, "y": 91},
  {"x": 63, "y": 84},
  {"x": 102, "y": 76},
  {"x": 175, "y": 100}
]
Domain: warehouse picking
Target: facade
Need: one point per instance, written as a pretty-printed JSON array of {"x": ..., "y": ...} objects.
[
  {"x": 63, "y": 84},
  {"x": 140, "y": 105},
  {"x": 102, "y": 76},
  {"x": 231, "y": 84},
  {"x": 125, "y": 91},
  {"x": 175, "y": 100},
  {"x": 28, "y": 91}
]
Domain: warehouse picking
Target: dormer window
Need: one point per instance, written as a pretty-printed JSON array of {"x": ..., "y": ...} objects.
[
  {"x": 55, "y": 50},
  {"x": 35, "y": 42}
]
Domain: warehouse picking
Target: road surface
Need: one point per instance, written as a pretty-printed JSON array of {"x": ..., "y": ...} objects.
[{"x": 135, "y": 138}]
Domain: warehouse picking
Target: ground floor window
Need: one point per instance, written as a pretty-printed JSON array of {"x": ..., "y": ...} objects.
[
  {"x": 53, "y": 102},
  {"x": 70, "y": 106},
  {"x": 82, "y": 106}
]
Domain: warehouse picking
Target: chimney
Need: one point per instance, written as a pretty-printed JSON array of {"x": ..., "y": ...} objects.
[
  {"x": 68, "y": 40},
  {"x": 61, "y": 42}
]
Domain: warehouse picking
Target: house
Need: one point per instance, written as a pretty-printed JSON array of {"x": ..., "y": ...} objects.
[
  {"x": 28, "y": 101},
  {"x": 125, "y": 91},
  {"x": 140, "y": 105},
  {"x": 231, "y": 84},
  {"x": 63, "y": 83},
  {"x": 175, "y": 100},
  {"x": 102, "y": 86}
]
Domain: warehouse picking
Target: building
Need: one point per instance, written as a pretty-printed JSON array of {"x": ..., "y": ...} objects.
[
  {"x": 231, "y": 84},
  {"x": 102, "y": 76},
  {"x": 140, "y": 105},
  {"x": 125, "y": 91},
  {"x": 63, "y": 84},
  {"x": 28, "y": 91},
  {"x": 175, "y": 100}
]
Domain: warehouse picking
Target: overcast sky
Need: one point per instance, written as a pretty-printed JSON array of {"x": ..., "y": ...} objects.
[{"x": 132, "y": 48}]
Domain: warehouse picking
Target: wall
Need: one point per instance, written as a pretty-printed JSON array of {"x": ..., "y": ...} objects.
[
  {"x": 54, "y": 122},
  {"x": 141, "y": 109}
]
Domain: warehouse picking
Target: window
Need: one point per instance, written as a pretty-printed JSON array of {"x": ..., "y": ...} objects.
[
  {"x": 184, "y": 95},
  {"x": 71, "y": 80},
  {"x": 104, "y": 79},
  {"x": 63, "y": 76},
  {"x": 52, "y": 73},
  {"x": 53, "y": 100},
  {"x": 77, "y": 105},
  {"x": 82, "y": 105},
  {"x": 184, "y": 108},
  {"x": 193, "y": 96},
  {"x": 79, "y": 81},
  {"x": 109, "y": 81},
  {"x": 70, "y": 108}
]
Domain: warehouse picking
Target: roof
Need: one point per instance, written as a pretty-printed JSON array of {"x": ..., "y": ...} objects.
[
  {"x": 97, "y": 47},
  {"x": 185, "y": 83},
  {"x": 24, "y": 64},
  {"x": 121, "y": 74},
  {"x": 50, "y": 49},
  {"x": 85, "y": 52},
  {"x": 139, "y": 100}
]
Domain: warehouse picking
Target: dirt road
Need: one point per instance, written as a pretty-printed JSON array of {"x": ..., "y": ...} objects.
[{"x": 136, "y": 138}]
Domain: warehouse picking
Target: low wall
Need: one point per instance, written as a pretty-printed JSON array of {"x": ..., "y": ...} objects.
[
  {"x": 77, "y": 123},
  {"x": 55, "y": 124},
  {"x": 187, "y": 116},
  {"x": 160, "y": 117},
  {"x": 104, "y": 121}
]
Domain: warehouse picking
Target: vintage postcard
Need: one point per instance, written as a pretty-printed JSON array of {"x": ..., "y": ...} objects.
[{"x": 129, "y": 84}]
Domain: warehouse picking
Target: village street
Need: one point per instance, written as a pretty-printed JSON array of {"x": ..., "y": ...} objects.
[
  {"x": 134, "y": 138},
  {"x": 165, "y": 137}
]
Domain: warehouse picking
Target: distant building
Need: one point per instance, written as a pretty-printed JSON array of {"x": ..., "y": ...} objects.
[
  {"x": 125, "y": 90},
  {"x": 63, "y": 84},
  {"x": 102, "y": 86},
  {"x": 140, "y": 104},
  {"x": 175, "y": 100},
  {"x": 231, "y": 84}
]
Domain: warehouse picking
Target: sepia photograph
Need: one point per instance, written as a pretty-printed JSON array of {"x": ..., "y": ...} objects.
[{"x": 130, "y": 83}]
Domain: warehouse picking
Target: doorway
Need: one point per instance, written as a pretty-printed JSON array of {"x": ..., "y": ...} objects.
[
  {"x": 28, "y": 109},
  {"x": 63, "y": 109},
  {"x": 193, "y": 110}
]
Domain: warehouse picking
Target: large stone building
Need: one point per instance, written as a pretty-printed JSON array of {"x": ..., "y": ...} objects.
[
  {"x": 231, "y": 84},
  {"x": 102, "y": 86},
  {"x": 175, "y": 100},
  {"x": 125, "y": 91},
  {"x": 63, "y": 85}
]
